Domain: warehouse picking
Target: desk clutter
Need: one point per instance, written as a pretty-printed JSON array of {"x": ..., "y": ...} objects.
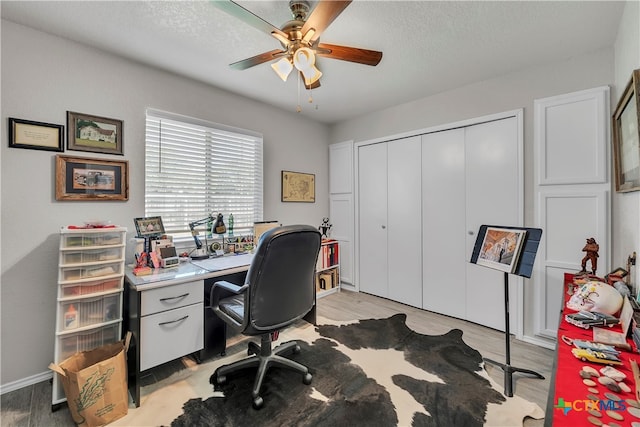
[{"x": 597, "y": 379}]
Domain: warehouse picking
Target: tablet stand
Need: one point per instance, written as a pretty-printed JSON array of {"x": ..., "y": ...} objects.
[{"x": 524, "y": 269}]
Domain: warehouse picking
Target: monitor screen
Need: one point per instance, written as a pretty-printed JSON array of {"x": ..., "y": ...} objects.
[{"x": 149, "y": 226}]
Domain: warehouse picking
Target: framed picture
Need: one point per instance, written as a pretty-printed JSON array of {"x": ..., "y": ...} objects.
[
  {"x": 94, "y": 134},
  {"x": 298, "y": 187},
  {"x": 35, "y": 135},
  {"x": 501, "y": 248},
  {"x": 80, "y": 178},
  {"x": 626, "y": 137}
]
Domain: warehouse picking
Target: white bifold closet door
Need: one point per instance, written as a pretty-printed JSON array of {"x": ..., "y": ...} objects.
[
  {"x": 390, "y": 243},
  {"x": 470, "y": 177}
]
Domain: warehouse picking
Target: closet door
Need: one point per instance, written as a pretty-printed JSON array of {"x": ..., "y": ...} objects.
[
  {"x": 372, "y": 215},
  {"x": 404, "y": 231},
  {"x": 444, "y": 223},
  {"x": 492, "y": 197}
]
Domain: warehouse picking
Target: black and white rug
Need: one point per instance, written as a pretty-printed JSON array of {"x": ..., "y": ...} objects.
[{"x": 374, "y": 372}]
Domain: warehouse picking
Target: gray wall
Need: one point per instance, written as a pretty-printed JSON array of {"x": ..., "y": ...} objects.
[
  {"x": 43, "y": 77},
  {"x": 626, "y": 206}
]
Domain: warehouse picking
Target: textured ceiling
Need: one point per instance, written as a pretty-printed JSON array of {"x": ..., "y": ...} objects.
[{"x": 429, "y": 46}]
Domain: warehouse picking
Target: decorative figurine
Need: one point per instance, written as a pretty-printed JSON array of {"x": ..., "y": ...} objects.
[
  {"x": 325, "y": 227},
  {"x": 591, "y": 248}
]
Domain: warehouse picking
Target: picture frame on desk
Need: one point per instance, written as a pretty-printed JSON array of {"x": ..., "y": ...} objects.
[{"x": 626, "y": 137}]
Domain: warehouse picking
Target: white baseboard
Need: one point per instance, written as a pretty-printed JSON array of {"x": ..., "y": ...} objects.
[
  {"x": 540, "y": 342},
  {"x": 25, "y": 382}
]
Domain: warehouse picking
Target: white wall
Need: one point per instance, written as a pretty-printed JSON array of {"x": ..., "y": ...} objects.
[
  {"x": 43, "y": 77},
  {"x": 626, "y": 206},
  {"x": 509, "y": 92}
]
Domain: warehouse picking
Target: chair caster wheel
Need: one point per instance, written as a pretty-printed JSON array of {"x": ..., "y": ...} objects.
[
  {"x": 307, "y": 378},
  {"x": 221, "y": 379},
  {"x": 258, "y": 402}
]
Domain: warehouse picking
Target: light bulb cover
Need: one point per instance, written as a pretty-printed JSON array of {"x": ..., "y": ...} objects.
[
  {"x": 304, "y": 60},
  {"x": 282, "y": 68}
]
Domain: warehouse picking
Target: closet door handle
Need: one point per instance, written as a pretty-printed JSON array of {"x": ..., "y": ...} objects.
[
  {"x": 384, "y": 226},
  {"x": 172, "y": 298},
  {"x": 173, "y": 321},
  {"x": 470, "y": 232}
]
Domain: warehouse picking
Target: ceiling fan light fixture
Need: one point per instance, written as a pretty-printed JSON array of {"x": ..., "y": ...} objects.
[
  {"x": 304, "y": 60},
  {"x": 283, "y": 68}
]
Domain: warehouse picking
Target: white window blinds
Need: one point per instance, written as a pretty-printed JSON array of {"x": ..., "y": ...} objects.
[{"x": 194, "y": 168}]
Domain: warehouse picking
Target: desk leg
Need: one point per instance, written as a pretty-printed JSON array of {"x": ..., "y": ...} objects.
[{"x": 132, "y": 324}]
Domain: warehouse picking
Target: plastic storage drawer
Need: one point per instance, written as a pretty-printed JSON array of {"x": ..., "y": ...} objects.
[
  {"x": 91, "y": 271},
  {"x": 87, "y": 340},
  {"x": 78, "y": 240},
  {"x": 90, "y": 311},
  {"x": 92, "y": 255},
  {"x": 92, "y": 287}
]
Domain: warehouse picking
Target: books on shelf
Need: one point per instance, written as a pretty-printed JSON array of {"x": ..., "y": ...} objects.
[{"x": 328, "y": 256}]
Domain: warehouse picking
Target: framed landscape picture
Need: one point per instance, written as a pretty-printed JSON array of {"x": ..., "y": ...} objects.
[
  {"x": 94, "y": 134},
  {"x": 79, "y": 178},
  {"x": 501, "y": 248}
]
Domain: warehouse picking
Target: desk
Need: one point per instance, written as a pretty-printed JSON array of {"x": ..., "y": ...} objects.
[
  {"x": 169, "y": 317},
  {"x": 566, "y": 385}
]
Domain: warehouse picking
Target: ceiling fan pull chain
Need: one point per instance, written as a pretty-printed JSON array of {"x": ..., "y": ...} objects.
[{"x": 298, "y": 107}]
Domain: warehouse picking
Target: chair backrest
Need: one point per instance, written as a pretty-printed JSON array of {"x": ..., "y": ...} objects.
[{"x": 281, "y": 277}]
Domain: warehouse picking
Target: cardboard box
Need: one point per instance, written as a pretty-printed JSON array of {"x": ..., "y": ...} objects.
[{"x": 95, "y": 384}]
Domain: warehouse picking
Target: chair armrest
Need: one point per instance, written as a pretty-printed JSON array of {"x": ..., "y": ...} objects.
[{"x": 224, "y": 289}]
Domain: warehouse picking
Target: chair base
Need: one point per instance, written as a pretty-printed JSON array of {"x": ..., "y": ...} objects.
[{"x": 263, "y": 357}]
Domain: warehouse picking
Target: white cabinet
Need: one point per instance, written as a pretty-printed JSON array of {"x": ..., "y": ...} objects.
[
  {"x": 389, "y": 212},
  {"x": 341, "y": 209},
  {"x": 572, "y": 194},
  {"x": 171, "y": 322},
  {"x": 90, "y": 288}
]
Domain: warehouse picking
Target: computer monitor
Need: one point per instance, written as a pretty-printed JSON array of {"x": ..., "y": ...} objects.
[{"x": 149, "y": 227}]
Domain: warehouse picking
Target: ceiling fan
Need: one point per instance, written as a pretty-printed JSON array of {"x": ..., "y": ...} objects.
[{"x": 300, "y": 39}]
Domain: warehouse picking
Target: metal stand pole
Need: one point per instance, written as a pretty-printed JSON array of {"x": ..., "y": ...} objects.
[{"x": 506, "y": 367}]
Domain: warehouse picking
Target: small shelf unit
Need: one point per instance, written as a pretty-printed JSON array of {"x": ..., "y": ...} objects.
[
  {"x": 90, "y": 291},
  {"x": 328, "y": 268}
]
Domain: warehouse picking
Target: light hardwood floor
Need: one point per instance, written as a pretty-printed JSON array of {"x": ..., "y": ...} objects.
[{"x": 31, "y": 406}]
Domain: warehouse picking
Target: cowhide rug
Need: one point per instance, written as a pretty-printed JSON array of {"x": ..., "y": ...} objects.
[{"x": 370, "y": 373}]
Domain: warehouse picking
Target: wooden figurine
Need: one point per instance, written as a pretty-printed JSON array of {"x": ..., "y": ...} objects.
[{"x": 591, "y": 249}]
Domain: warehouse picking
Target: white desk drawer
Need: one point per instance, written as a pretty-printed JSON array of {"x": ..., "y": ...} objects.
[
  {"x": 171, "y": 334},
  {"x": 170, "y": 297}
]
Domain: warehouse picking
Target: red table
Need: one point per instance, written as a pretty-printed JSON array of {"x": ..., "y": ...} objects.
[{"x": 571, "y": 404}]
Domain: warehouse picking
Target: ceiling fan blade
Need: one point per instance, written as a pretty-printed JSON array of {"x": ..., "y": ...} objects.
[
  {"x": 323, "y": 15},
  {"x": 258, "y": 59},
  {"x": 248, "y": 17},
  {"x": 345, "y": 53}
]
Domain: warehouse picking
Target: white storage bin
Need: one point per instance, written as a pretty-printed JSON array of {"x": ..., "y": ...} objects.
[
  {"x": 90, "y": 311},
  {"x": 91, "y": 255},
  {"x": 91, "y": 271},
  {"x": 91, "y": 287}
]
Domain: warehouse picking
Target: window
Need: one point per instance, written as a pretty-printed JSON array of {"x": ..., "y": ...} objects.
[{"x": 194, "y": 168}]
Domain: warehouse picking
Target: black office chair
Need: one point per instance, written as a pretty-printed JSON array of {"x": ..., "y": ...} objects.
[{"x": 279, "y": 289}]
